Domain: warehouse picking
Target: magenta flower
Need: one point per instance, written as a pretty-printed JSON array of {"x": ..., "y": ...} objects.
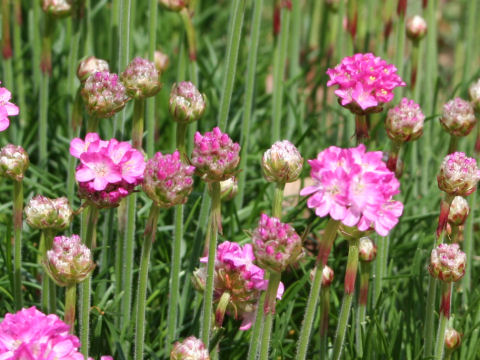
[
  {"x": 365, "y": 82},
  {"x": 99, "y": 169},
  {"x": 189, "y": 349},
  {"x": 354, "y": 187},
  {"x": 6, "y": 108},
  {"x": 32, "y": 335}
]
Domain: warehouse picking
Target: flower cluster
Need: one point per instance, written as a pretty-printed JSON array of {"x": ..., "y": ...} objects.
[
  {"x": 108, "y": 170},
  {"x": 458, "y": 117},
  {"x": 45, "y": 213},
  {"x": 215, "y": 156},
  {"x": 282, "y": 163},
  {"x": 189, "y": 349},
  {"x": 236, "y": 274},
  {"x": 103, "y": 94},
  {"x": 186, "y": 103},
  {"x": 6, "y": 108},
  {"x": 365, "y": 82},
  {"x": 276, "y": 245},
  {"x": 447, "y": 262},
  {"x": 458, "y": 175},
  {"x": 14, "y": 162},
  {"x": 141, "y": 78},
  {"x": 405, "y": 121},
  {"x": 69, "y": 261},
  {"x": 30, "y": 334},
  {"x": 354, "y": 187},
  {"x": 168, "y": 181}
]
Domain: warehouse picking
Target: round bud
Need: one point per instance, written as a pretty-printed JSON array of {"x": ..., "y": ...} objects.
[
  {"x": 458, "y": 175},
  {"x": 161, "y": 61},
  {"x": 447, "y": 262},
  {"x": 186, "y": 103},
  {"x": 141, "y": 78},
  {"x": 367, "y": 250},
  {"x": 458, "y": 117},
  {"x": 44, "y": 213},
  {"x": 327, "y": 276},
  {"x": 474, "y": 92},
  {"x": 90, "y": 66},
  {"x": 174, "y": 5},
  {"x": 228, "y": 188},
  {"x": 416, "y": 27},
  {"x": 189, "y": 349},
  {"x": 13, "y": 162},
  {"x": 453, "y": 339},
  {"x": 459, "y": 211},
  {"x": 57, "y": 8},
  {"x": 405, "y": 121},
  {"x": 282, "y": 163}
]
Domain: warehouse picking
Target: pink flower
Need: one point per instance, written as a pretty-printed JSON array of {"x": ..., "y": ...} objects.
[
  {"x": 354, "y": 187},
  {"x": 6, "y": 108},
  {"x": 365, "y": 82},
  {"x": 98, "y": 168},
  {"x": 32, "y": 335}
]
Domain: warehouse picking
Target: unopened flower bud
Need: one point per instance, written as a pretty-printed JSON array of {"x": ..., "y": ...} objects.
[
  {"x": 199, "y": 279},
  {"x": 168, "y": 181},
  {"x": 57, "y": 8},
  {"x": 69, "y": 261},
  {"x": 276, "y": 245},
  {"x": 44, "y": 213},
  {"x": 458, "y": 117},
  {"x": 228, "y": 189},
  {"x": 405, "y": 121},
  {"x": 189, "y": 349},
  {"x": 186, "y": 104},
  {"x": 174, "y": 5},
  {"x": 90, "y": 66},
  {"x": 459, "y": 211},
  {"x": 327, "y": 276},
  {"x": 458, "y": 175},
  {"x": 453, "y": 339},
  {"x": 474, "y": 92},
  {"x": 161, "y": 61},
  {"x": 416, "y": 27},
  {"x": 13, "y": 162},
  {"x": 103, "y": 94},
  {"x": 215, "y": 156},
  {"x": 141, "y": 78},
  {"x": 367, "y": 250},
  {"x": 447, "y": 262},
  {"x": 282, "y": 163}
]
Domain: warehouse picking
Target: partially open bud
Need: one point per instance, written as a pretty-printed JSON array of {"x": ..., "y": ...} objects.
[
  {"x": 447, "y": 262},
  {"x": 459, "y": 211},
  {"x": 327, "y": 275},
  {"x": 367, "y": 250},
  {"x": 174, "y": 5},
  {"x": 215, "y": 156},
  {"x": 13, "y": 162},
  {"x": 186, "y": 104},
  {"x": 167, "y": 181},
  {"x": 458, "y": 175},
  {"x": 103, "y": 94},
  {"x": 57, "y": 8},
  {"x": 276, "y": 245},
  {"x": 69, "y": 261},
  {"x": 44, "y": 213},
  {"x": 282, "y": 163},
  {"x": 189, "y": 349},
  {"x": 458, "y": 117},
  {"x": 90, "y": 66},
  {"x": 405, "y": 121},
  {"x": 474, "y": 92},
  {"x": 161, "y": 61},
  {"x": 416, "y": 27},
  {"x": 453, "y": 339},
  {"x": 228, "y": 189},
  {"x": 141, "y": 78}
]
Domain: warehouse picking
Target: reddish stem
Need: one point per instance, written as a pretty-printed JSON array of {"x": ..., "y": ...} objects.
[
  {"x": 443, "y": 217},
  {"x": 445, "y": 303},
  {"x": 402, "y": 7}
]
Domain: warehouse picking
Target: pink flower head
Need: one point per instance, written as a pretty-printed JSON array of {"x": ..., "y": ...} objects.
[
  {"x": 365, "y": 82},
  {"x": 458, "y": 175},
  {"x": 168, "y": 181},
  {"x": 236, "y": 274},
  {"x": 32, "y": 335},
  {"x": 189, "y": 349},
  {"x": 405, "y": 121},
  {"x": 276, "y": 245},
  {"x": 458, "y": 117},
  {"x": 6, "y": 108},
  {"x": 108, "y": 170},
  {"x": 141, "y": 78},
  {"x": 354, "y": 187},
  {"x": 215, "y": 155},
  {"x": 447, "y": 262}
]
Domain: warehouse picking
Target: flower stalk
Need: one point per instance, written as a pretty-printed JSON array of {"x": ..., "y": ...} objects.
[
  {"x": 70, "y": 304},
  {"x": 269, "y": 312},
  {"x": 361, "y": 128},
  {"x": 444, "y": 316},
  {"x": 17, "y": 225},
  {"x": 362, "y": 304}
]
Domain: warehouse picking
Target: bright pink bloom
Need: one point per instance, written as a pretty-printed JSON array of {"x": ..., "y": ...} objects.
[
  {"x": 354, "y": 187},
  {"x": 236, "y": 273},
  {"x": 365, "y": 82},
  {"x": 6, "y": 108},
  {"x": 32, "y": 335}
]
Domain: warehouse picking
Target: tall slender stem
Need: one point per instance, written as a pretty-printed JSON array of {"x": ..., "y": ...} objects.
[
  {"x": 52, "y": 287},
  {"x": 362, "y": 305},
  {"x": 393, "y": 157},
  {"x": 269, "y": 313},
  {"x": 148, "y": 239},
  {"x": 361, "y": 128},
  {"x": 150, "y": 115},
  {"x": 181, "y": 137},
  {"x": 138, "y": 120},
  {"x": 70, "y": 304},
  {"x": 46, "y": 68},
  {"x": 17, "y": 226},
  {"x": 18, "y": 61},
  {"x": 324, "y": 311},
  {"x": 444, "y": 316},
  {"x": 350, "y": 275},
  {"x": 215, "y": 214},
  {"x": 453, "y": 145},
  {"x": 324, "y": 250},
  {"x": 277, "y": 200}
]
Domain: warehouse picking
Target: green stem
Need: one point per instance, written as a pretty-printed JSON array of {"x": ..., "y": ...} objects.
[
  {"x": 150, "y": 115},
  {"x": 362, "y": 305},
  {"x": 70, "y": 304},
  {"x": 190, "y": 30},
  {"x": 234, "y": 36},
  {"x": 89, "y": 240},
  {"x": 324, "y": 311},
  {"x": 279, "y": 61},
  {"x": 138, "y": 120},
  {"x": 249, "y": 92},
  {"x": 324, "y": 250},
  {"x": 17, "y": 226},
  {"x": 361, "y": 128},
  {"x": 215, "y": 214},
  {"x": 257, "y": 326},
  {"x": 18, "y": 62},
  {"x": 269, "y": 313},
  {"x": 277, "y": 200},
  {"x": 394, "y": 156},
  {"x": 148, "y": 239},
  {"x": 294, "y": 70},
  {"x": 429, "y": 317},
  {"x": 119, "y": 256},
  {"x": 468, "y": 246},
  {"x": 400, "y": 46},
  {"x": 181, "y": 136},
  {"x": 46, "y": 68},
  {"x": 175, "y": 277},
  {"x": 124, "y": 50},
  {"x": 444, "y": 316},
  {"x": 92, "y": 124},
  {"x": 453, "y": 145}
]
